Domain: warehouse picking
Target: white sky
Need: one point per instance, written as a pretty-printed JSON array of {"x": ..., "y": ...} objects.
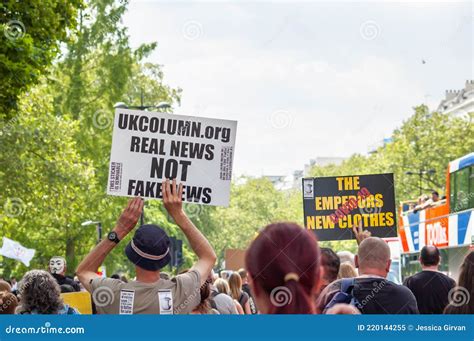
[{"x": 306, "y": 79}]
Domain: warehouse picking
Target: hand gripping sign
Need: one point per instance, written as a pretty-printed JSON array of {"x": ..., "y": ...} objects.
[{"x": 150, "y": 147}]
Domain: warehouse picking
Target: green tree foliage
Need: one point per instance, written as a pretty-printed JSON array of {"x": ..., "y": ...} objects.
[
  {"x": 44, "y": 180},
  {"x": 56, "y": 145},
  {"x": 31, "y": 33},
  {"x": 427, "y": 140},
  {"x": 98, "y": 68},
  {"x": 254, "y": 204}
]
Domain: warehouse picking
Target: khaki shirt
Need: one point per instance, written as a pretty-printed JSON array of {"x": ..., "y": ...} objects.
[{"x": 180, "y": 295}]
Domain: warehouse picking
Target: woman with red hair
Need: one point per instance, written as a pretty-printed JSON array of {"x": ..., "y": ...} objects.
[{"x": 284, "y": 267}]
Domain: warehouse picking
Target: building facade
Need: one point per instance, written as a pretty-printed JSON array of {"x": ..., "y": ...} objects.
[{"x": 458, "y": 102}]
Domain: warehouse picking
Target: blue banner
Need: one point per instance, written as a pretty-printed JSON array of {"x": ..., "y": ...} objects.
[{"x": 225, "y": 327}]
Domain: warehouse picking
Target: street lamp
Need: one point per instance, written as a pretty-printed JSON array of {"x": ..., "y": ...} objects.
[
  {"x": 99, "y": 228},
  {"x": 159, "y": 106},
  {"x": 420, "y": 173},
  {"x": 120, "y": 105},
  {"x": 163, "y": 105}
]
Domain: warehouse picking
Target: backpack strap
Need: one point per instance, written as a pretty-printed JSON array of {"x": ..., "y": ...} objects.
[
  {"x": 213, "y": 303},
  {"x": 347, "y": 285},
  {"x": 241, "y": 298},
  {"x": 343, "y": 295}
]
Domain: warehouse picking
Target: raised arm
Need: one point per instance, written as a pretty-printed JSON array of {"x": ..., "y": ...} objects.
[
  {"x": 172, "y": 199},
  {"x": 86, "y": 271}
]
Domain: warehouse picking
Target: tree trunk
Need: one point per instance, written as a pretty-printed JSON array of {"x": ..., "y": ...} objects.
[{"x": 70, "y": 259}]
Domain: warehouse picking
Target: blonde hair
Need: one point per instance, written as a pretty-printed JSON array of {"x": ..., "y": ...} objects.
[
  {"x": 346, "y": 270},
  {"x": 222, "y": 286},
  {"x": 235, "y": 285}
]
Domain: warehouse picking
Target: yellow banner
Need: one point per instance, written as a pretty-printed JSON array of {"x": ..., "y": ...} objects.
[{"x": 79, "y": 300}]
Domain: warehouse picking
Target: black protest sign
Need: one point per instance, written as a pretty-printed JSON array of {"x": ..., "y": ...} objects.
[{"x": 333, "y": 205}]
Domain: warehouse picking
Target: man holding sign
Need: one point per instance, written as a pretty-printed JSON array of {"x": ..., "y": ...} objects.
[{"x": 149, "y": 251}]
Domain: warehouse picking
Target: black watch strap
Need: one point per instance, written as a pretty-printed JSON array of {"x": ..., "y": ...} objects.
[{"x": 113, "y": 237}]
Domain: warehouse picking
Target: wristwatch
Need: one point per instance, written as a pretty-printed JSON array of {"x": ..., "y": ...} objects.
[{"x": 112, "y": 236}]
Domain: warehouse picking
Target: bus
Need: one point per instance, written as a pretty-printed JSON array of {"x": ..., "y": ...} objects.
[{"x": 447, "y": 224}]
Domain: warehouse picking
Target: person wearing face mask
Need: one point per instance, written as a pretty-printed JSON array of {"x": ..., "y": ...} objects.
[{"x": 57, "y": 268}]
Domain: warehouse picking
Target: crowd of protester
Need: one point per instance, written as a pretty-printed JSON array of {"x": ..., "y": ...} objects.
[{"x": 286, "y": 272}]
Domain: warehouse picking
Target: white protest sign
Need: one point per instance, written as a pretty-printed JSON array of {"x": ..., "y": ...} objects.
[{"x": 150, "y": 147}]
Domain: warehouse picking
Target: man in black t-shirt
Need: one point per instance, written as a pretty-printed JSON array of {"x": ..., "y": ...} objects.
[
  {"x": 430, "y": 286},
  {"x": 373, "y": 293}
]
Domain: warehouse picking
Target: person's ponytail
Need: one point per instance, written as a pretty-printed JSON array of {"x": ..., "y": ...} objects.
[
  {"x": 292, "y": 298},
  {"x": 274, "y": 261}
]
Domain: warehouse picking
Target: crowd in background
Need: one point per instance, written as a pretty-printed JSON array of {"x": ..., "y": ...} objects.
[
  {"x": 229, "y": 292},
  {"x": 286, "y": 272}
]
